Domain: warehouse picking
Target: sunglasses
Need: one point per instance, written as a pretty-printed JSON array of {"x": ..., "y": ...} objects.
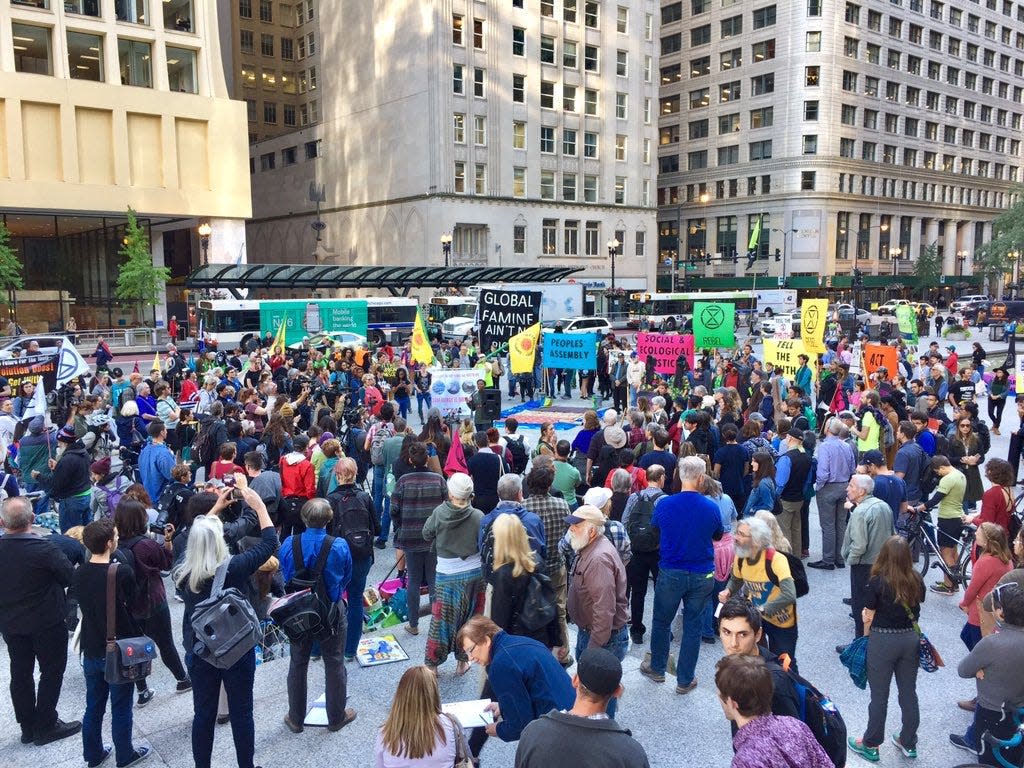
[{"x": 997, "y": 600}]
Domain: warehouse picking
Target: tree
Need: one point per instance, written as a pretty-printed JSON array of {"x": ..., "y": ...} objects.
[
  {"x": 11, "y": 268},
  {"x": 992, "y": 260},
  {"x": 928, "y": 268},
  {"x": 139, "y": 281}
]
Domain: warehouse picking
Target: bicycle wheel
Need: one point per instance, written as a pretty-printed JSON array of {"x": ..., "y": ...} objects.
[{"x": 920, "y": 553}]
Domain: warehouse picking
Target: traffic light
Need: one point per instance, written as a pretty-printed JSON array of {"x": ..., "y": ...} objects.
[
  {"x": 778, "y": 255},
  {"x": 858, "y": 278}
]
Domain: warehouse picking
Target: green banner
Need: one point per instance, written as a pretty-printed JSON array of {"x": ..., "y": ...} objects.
[
  {"x": 714, "y": 325},
  {"x": 304, "y": 318},
  {"x": 907, "y": 319}
]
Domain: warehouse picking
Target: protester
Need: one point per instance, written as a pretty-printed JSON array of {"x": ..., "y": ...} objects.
[
  {"x": 645, "y": 545},
  {"x": 870, "y": 525},
  {"x": 836, "y": 464}
]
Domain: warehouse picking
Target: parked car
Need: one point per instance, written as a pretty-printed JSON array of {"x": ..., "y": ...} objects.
[
  {"x": 889, "y": 307},
  {"x": 48, "y": 345},
  {"x": 771, "y": 325},
  {"x": 332, "y": 339},
  {"x": 929, "y": 310},
  {"x": 963, "y": 301},
  {"x": 849, "y": 312},
  {"x": 599, "y": 325}
]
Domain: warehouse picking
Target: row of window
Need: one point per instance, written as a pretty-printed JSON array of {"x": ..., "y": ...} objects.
[
  {"x": 177, "y": 15},
  {"x": 286, "y": 45},
  {"x": 269, "y": 80},
  {"x": 291, "y": 115},
  {"x": 902, "y": 189},
  {"x": 571, "y": 238},
  {"x": 727, "y": 28},
  {"x": 289, "y": 156},
  {"x": 295, "y": 15},
  {"x": 669, "y": 195},
  {"x": 471, "y": 178},
  {"x": 912, "y": 94},
  {"x": 955, "y": 17},
  {"x": 591, "y": 15},
  {"x": 86, "y": 57},
  {"x": 933, "y": 70}
]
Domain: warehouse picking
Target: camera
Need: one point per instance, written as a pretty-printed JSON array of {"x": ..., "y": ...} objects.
[{"x": 156, "y": 528}]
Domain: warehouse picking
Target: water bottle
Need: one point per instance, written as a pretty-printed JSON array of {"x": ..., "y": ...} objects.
[{"x": 259, "y": 655}]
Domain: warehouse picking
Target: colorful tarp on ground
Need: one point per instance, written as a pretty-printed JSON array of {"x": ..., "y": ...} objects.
[
  {"x": 666, "y": 349},
  {"x": 533, "y": 413}
]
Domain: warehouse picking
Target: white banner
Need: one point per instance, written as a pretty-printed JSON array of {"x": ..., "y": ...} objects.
[
  {"x": 70, "y": 364},
  {"x": 450, "y": 388}
]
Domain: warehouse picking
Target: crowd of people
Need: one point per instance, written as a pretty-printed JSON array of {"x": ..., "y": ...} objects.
[{"x": 702, "y": 483}]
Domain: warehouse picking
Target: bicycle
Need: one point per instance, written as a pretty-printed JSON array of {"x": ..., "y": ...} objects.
[
  {"x": 920, "y": 534},
  {"x": 998, "y": 745}
]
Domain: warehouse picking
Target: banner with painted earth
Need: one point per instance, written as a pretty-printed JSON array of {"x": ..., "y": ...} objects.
[
  {"x": 666, "y": 349},
  {"x": 783, "y": 356},
  {"x": 450, "y": 387},
  {"x": 571, "y": 351},
  {"x": 503, "y": 314},
  {"x": 714, "y": 325}
]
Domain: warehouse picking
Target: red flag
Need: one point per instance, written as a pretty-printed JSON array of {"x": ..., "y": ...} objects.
[
  {"x": 136, "y": 368},
  {"x": 834, "y": 406},
  {"x": 456, "y": 461}
]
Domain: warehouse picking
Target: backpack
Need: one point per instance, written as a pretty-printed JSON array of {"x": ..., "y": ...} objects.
[
  {"x": 141, "y": 605},
  {"x": 539, "y": 607},
  {"x": 126, "y": 394},
  {"x": 644, "y": 536},
  {"x": 383, "y": 432},
  {"x": 225, "y": 624},
  {"x": 351, "y": 522},
  {"x": 307, "y": 612},
  {"x": 114, "y": 494},
  {"x": 812, "y": 418},
  {"x": 170, "y": 501},
  {"x": 819, "y": 714},
  {"x": 888, "y": 435},
  {"x": 519, "y": 455},
  {"x": 796, "y": 569},
  {"x": 203, "y": 449}
]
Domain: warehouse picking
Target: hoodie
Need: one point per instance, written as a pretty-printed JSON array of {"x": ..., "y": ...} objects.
[
  {"x": 597, "y": 743},
  {"x": 297, "y": 476},
  {"x": 71, "y": 475},
  {"x": 454, "y": 530},
  {"x": 35, "y": 449}
]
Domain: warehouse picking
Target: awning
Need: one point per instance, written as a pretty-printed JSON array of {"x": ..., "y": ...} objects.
[{"x": 397, "y": 280}]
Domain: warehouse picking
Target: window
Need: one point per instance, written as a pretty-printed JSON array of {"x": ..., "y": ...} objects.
[
  {"x": 569, "y": 142},
  {"x": 868, "y": 150},
  {"x": 672, "y": 12},
  {"x": 518, "y": 182},
  {"x": 245, "y": 41},
  {"x": 478, "y": 34},
  {"x": 762, "y": 84},
  {"x": 266, "y": 45},
  {"x": 622, "y": 20},
  {"x": 699, "y": 67},
  {"x": 268, "y": 161},
  {"x": 134, "y": 58},
  {"x": 729, "y": 155},
  {"x": 518, "y": 135},
  {"x": 764, "y": 50},
  {"x": 270, "y": 112},
  {"x": 874, "y": 53},
  {"x": 547, "y": 185},
  {"x": 457, "y": 25},
  {"x": 848, "y": 115},
  {"x": 761, "y": 150},
  {"x": 759, "y": 118},
  {"x": 245, "y": 9},
  {"x": 849, "y": 81},
  {"x": 700, "y": 36},
  {"x": 458, "y": 85},
  {"x": 478, "y": 82},
  {"x": 250, "y": 110},
  {"x": 480, "y": 179},
  {"x": 569, "y": 56},
  {"x": 590, "y": 145},
  {"x": 811, "y": 110},
  {"x": 85, "y": 56},
  {"x": 266, "y": 11},
  {"x": 287, "y": 49},
  {"x": 814, "y": 8},
  {"x": 764, "y": 17},
  {"x": 518, "y": 41},
  {"x": 590, "y": 102},
  {"x": 812, "y": 76},
  {"x": 547, "y": 95},
  {"x": 571, "y": 229},
  {"x": 810, "y": 145},
  {"x": 590, "y": 58},
  {"x": 479, "y": 130},
  {"x": 312, "y": 150},
  {"x": 33, "y": 52},
  {"x": 547, "y": 49},
  {"x": 137, "y": 11},
  {"x": 812, "y": 42},
  {"x": 518, "y": 88},
  {"x": 620, "y": 190},
  {"x": 696, "y": 161},
  {"x": 807, "y": 181},
  {"x": 547, "y": 139},
  {"x": 731, "y": 27},
  {"x": 547, "y": 8},
  {"x": 181, "y": 70},
  {"x": 851, "y": 47},
  {"x": 460, "y": 178},
  {"x": 519, "y": 237},
  {"x": 549, "y": 232},
  {"x": 569, "y": 98},
  {"x": 697, "y": 7},
  {"x": 847, "y": 147},
  {"x": 569, "y": 11},
  {"x": 621, "y": 63},
  {"x": 620, "y": 105},
  {"x": 730, "y": 59},
  {"x": 590, "y": 196},
  {"x": 852, "y": 13},
  {"x": 698, "y": 129},
  {"x": 590, "y": 14},
  {"x": 289, "y": 115},
  {"x": 874, "y": 21},
  {"x": 620, "y": 147},
  {"x": 729, "y": 91}
]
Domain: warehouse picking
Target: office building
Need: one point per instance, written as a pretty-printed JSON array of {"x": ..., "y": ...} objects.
[
  {"x": 522, "y": 129},
  {"x": 106, "y": 105},
  {"x": 861, "y": 133}
]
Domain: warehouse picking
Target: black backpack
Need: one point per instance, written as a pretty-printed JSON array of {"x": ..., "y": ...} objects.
[
  {"x": 310, "y": 613},
  {"x": 352, "y": 523},
  {"x": 644, "y": 536},
  {"x": 519, "y": 453},
  {"x": 796, "y": 569},
  {"x": 203, "y": 449},
  {"x": 539, "y": 606},
  {"x": 819, "y": 714},
  {"x": 141, "y": 605}
]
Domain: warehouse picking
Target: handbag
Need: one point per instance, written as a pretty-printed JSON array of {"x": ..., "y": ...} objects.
[
  {"x": 462, "y": 757},
  {"x": 928, "y": 656},
  {"x": 855, "y": 658},
  {"x": 131, "y": 658}
]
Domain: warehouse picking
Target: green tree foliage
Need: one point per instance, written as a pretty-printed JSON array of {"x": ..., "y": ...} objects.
[
  {"x": 928, "y": 268},
  {"x": 139, "y": 281},
  {"x": 11, "y": 268},
  {"x": 992, "y": 260}
]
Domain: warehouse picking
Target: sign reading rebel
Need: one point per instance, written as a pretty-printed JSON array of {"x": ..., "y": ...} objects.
[
  {"x": 714, "y": 325},
  {"x": 503, "y": 314}
]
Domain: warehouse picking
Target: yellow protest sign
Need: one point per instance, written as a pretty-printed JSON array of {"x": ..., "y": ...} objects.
[
  {"x": 783, "y": 355},
  {"x": 813, "y": 319}
]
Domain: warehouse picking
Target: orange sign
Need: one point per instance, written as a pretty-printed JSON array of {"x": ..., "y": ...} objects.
[{"x": 877, "y": 356}]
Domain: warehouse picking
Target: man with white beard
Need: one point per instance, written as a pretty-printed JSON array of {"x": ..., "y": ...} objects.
[{"x": 597, "y": 588}]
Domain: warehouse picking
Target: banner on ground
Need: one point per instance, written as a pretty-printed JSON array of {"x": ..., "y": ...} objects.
[
  {"x": 304, "y": 318},
  {"x": 783, "y": 356},
  {"x": 522, "y": 349},
  {"x": 907, "y": 320},
  {"x": 714, "y": 325},
  {"x": 572, "y": 351},
  {"x": 813, "y": 319},
  {"x": 877, "y": 355},
  {"x": 450, "y": 388},
  {"x": 666, "y": 349},
  {"x": 503, "y": 314}
]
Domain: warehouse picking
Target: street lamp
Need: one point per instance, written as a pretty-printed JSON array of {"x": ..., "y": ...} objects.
[
  {"x": 961, "y": 257},
  {"x": 895, "y": 253},
  {"x": 205, "y": 230},
  {"x": 613, "y": 249},
  {"x": 446, "y": 248}
]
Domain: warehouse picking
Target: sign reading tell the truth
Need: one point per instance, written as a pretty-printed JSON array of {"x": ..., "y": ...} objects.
[
  {"x": 783, "y": 356},
  {"x": 666, "y": 348}
]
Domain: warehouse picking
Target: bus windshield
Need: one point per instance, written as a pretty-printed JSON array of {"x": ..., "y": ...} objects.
[{"x": 439, "y": 312}]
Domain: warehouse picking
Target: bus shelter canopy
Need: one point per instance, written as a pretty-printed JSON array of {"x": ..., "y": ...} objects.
[{"x": 399, "y": 280}]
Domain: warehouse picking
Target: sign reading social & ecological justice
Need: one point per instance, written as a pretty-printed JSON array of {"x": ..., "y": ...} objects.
[{"x": 666, "y": 349}]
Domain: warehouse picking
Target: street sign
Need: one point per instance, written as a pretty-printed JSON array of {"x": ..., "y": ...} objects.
[{"x": 782, "y": 281}]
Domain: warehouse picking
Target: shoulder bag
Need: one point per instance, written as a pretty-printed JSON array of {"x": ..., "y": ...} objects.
[
  {"x": 928, "y": 656},
  {"x": 129, "y": 659},
  {"x": 462, "y": 757}
]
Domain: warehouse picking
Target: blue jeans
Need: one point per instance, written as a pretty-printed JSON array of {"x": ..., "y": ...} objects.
[
  {"x": 382, "y": 504},
  {"x": 403, "y": 406},
  {"x": 73, "y": 511},
  {"x": 618, "y": 644},
  {"x": 97, "y": 690},
  {"x": 238, "y": 682},
  {"x": 356, "y": 587},
  {"x": 693, "y": 590},
  {"x": 422, "y": 398}
]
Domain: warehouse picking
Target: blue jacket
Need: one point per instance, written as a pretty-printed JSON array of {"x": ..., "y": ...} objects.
[
  {"x": 534, "y": 527},
  {"x": 761, "y": 497},
  {"x": 528, "y": 682},
  {"x": 338, "y": 569},
  {"x": 155, "y": 465}
]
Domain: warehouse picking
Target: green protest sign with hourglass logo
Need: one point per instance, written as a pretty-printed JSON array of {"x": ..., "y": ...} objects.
[{"x": 714, "y": 325}]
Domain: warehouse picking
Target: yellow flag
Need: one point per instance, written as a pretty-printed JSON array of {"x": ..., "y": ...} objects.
[
  {"x": 422, "y": 352},
  {"x": 279, "y": 336},
  {"x": 813, "y": 319},
  {"x": 156, "y": 362},
  {"x": 522, "y": 349}
]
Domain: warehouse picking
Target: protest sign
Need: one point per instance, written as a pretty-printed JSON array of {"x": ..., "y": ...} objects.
[
  {"x": 813, "y": 319},
  {"x": 666, "y": 349},
  {"x": 783, "y": 356},
  {"x": 522, "y": 349},
  {"x": 908, "y": 322},
  {"x": 573, "y": 351},
  {"x": 503, "y": 314},
  {"x": 877, "y": 355},
  {"x": 449, "y": 388},
  {"x": 714, "y": 325}
]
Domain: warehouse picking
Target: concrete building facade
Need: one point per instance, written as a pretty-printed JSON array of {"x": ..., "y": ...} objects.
[
  {"x": 524, "y": 130},
  {"x": 108, "y": 105},
  {"x": 862, "y": 132}
]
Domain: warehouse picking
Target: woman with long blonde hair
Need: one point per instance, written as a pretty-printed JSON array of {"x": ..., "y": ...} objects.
[
  {"x": 513, "y": 568},
  {"x": 416, "y": 732},
  {"x": 993, "y": 562}
]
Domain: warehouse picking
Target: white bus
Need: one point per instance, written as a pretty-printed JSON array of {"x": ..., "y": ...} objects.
[
  {"x": 674, "y": 311},
  {"x": 236, "y": 322},
  {"x": 442, "y": 308}
]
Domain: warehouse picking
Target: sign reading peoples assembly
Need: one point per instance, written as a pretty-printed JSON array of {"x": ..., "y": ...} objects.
[{"x": 503, "y": 314}]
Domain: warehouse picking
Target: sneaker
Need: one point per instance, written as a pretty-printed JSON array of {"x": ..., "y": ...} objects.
[
  {"x": 145, "y": 697},
  {"x": 106, "y": 754},
  {"x": 183, "y": 685},
  {"x": 961, "y": 743},
  {"x": 637, "y": 639},
  {"x": 942, "y": 588},
  {"x": 140, "y": 754},
  {"x": 349, "y": 659},
  {"x": 648, "y": 671},
  {"x": 292, "y": 726},
  {"x": 350, "y": 715},
  {"x": 56, "y": 732},
  {"x": 27, "y": 737},
  {"x": 821, "y": 565},
  {"x": 683, "y": 689},
  {"x": 968, "y": 705},
  {"x": 858, "y": 746},
  {"x": 380, "y": 544},
  {"x": 411, "y": 629},
  {"x": 847, "y": 601},
  {"x": 910, "y": 752},
  {"x": 223, "y": 719}
]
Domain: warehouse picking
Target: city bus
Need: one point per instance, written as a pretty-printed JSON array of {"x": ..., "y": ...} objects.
[
  {"x": 441, "y": 308},
  {"x": 673, "y": 311},
  {"x": 237, "y": 322}
]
